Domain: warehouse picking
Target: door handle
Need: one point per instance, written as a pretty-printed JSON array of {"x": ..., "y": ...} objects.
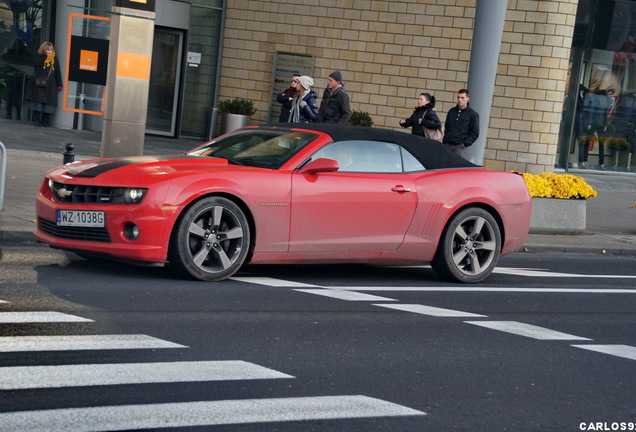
[{"x": 400, "y": 189}]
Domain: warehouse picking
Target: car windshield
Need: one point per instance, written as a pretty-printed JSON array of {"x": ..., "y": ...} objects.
[{"x": 257, "y": 148}]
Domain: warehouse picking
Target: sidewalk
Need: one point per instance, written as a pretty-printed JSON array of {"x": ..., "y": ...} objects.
[{"x": 32, "y": 150}]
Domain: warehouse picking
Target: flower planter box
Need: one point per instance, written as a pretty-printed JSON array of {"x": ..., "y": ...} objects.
[{"x": 558, "y": 216}]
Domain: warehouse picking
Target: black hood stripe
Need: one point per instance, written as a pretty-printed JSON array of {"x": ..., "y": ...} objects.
[{"x": 100, "y": 167}]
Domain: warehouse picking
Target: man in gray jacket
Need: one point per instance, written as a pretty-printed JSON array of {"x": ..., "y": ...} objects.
[{"x": 334, "y": 107}]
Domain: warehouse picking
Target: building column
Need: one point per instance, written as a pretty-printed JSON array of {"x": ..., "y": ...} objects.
[
  {"x": 490, "y": 17},
  {"x": 126, "y": 93}
]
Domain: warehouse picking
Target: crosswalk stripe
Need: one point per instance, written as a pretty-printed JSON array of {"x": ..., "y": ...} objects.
[
  {"x": 527, "y": 330},
  {"x": 205, "y": 413},
  {"x": 430, "y": 310},
  {"x": 32, "y": 377},
  {"x": 625, "y": 351},
  {"x": 272, "y": 282},
  {"x": 39, "y": 317},
  {"x": 82, "y": 342},
  {"x": 344, "y": 295}
]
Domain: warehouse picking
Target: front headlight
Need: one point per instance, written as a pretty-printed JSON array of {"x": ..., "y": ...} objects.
[{"x": 134, "y": 195}]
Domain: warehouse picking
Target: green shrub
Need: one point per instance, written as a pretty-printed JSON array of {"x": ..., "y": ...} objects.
[
  {"x": 359, "y": 118},
  {"x": 237, "y": 106}
]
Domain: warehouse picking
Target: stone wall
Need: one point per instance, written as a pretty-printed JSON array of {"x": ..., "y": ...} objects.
[{"x": 390, "y": 51}]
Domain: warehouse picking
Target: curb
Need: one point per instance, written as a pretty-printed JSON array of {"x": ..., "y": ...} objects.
[{"x": 618, "y": 251}]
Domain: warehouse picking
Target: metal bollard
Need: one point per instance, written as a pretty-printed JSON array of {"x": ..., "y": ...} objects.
[
  {"x": 3, "y": 173},
  {"x": 69, "y": 156},
  {"x": 80, "y": 116}
]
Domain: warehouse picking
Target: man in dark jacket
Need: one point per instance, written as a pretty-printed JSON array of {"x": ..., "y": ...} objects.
[
  {"x": 462, "y": 125},
  {"x": 334, "y": 107}
]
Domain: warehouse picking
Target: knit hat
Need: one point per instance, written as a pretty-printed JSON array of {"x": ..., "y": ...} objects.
[
  {"x": 306, "y": 82},
  {"x": 336, "y": 75}
]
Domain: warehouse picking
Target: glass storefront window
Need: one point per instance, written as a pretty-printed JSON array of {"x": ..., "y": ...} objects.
[
  {"x": 606, "y": 134},
  {"x": 201, "y": 81},
  {"x": 20, "y": 31},
  {"x": 599, "y": 126}
]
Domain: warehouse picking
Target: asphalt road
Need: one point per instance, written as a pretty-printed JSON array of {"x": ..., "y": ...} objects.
[{"x": 546, "y": 343}]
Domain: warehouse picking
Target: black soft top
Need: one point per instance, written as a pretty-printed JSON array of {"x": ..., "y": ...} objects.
[{"x": 432, "y": 154}]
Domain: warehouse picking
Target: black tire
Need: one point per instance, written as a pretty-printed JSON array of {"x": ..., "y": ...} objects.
[
  {"x": 210, "y": 240},
  {"x": 469, "y": 247}
]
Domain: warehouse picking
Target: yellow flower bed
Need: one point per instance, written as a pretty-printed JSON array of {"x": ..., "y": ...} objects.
[{"x": 550, "y": 185}]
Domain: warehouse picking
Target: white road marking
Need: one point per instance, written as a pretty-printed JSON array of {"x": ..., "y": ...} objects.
[
  {"x": 205, "y": 413},
  {"x": 39, "y": 317},
  {"x": 272, "y": 282},
  {"x": 513, "y": 327},
  {"x": 344, "y": 295},
  {"x": 430, "y": 310},
  {"x": 82, "y": 375},
  {"x": 472, "y": 288},
  {"x": 626, "y": 351},
  {"x": 82, "y": 342},
  {"x": 533, "y": 272},
  {"x": 466, "y": 288},
  {"x": 527, "y": 330},
  {"x": 544, "y": 273}
]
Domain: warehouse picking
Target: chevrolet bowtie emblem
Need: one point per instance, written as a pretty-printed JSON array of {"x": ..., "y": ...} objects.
[{"x": 63, "y": 192}]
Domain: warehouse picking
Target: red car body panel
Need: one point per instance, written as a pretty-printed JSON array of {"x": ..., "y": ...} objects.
[{"x": 294, "y": 217}]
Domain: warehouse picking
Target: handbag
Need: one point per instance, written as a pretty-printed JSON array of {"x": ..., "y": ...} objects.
[
  {"x": 434, "y": 134},
  {"x": 42, "y": 81}
]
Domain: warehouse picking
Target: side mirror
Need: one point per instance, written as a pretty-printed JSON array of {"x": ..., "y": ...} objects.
[{"x": 320, "y": 165}]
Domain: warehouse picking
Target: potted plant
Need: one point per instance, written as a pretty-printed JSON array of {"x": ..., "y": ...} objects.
[
  {"x": 235, "y": 113},
  {"x": 360, "y": 118},
  {"x": 558, "y": 203}
]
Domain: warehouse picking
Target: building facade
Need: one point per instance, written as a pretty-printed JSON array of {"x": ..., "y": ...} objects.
[{"x": 565, "y": 67}]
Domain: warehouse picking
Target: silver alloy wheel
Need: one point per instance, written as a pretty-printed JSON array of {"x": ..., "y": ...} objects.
[
  {"x": 211, "y": 240},
  {"x": 469, "y": 247},
  {"x": 474, "y": 245}
]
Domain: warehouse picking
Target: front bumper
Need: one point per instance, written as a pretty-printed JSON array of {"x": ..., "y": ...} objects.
[{"x": 153, "y": 221}]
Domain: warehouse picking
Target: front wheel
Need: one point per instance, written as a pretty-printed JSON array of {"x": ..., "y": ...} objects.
[
  {"x": 211, "y": 240},
  {"x": 469, "y": 247}
]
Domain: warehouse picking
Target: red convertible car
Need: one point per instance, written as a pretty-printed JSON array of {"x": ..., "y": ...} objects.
[{"x": 289, "y": 193}]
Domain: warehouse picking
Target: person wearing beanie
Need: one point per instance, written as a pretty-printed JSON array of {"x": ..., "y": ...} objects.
[
  {"x": 304, "y": 107},
  {"x": 336, "y": 75},
  {"x": 334, "y": 107},
  {"x": 286, "y": 98}
]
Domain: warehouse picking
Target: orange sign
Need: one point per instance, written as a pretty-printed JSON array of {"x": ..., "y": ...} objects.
[{"x": 88, "y": 60}]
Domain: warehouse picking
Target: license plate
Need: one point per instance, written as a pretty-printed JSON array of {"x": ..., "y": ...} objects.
[{"x": 80, "y": 218}]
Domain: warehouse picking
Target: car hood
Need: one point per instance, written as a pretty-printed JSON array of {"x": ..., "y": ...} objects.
[{"x": 146, "y": 165}]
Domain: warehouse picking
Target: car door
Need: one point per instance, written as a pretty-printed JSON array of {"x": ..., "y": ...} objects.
[{"x": 367, "y": 205}]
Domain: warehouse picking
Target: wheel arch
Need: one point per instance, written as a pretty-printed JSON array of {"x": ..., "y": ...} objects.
[
  {"x": 236, "y": 200},
  {"x": 485, "y": 206}
]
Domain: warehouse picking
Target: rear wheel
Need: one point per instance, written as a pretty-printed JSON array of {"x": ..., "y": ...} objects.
[
  {"x": 469, "y": 247},
  {"x": 211, "y": 240}
]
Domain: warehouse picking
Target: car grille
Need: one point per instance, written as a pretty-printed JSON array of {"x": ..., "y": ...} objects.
[
  {"x": 79, "y": 194},
  {"x": 75, "y": 233}
]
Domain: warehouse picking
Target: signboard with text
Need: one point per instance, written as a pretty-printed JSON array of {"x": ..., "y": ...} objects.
[
  {"x": 285, "y": 66},
  {"x": 87, "y": 63}
]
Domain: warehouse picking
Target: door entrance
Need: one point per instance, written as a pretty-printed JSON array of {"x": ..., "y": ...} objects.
[{"x": 165, "y": 82}]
